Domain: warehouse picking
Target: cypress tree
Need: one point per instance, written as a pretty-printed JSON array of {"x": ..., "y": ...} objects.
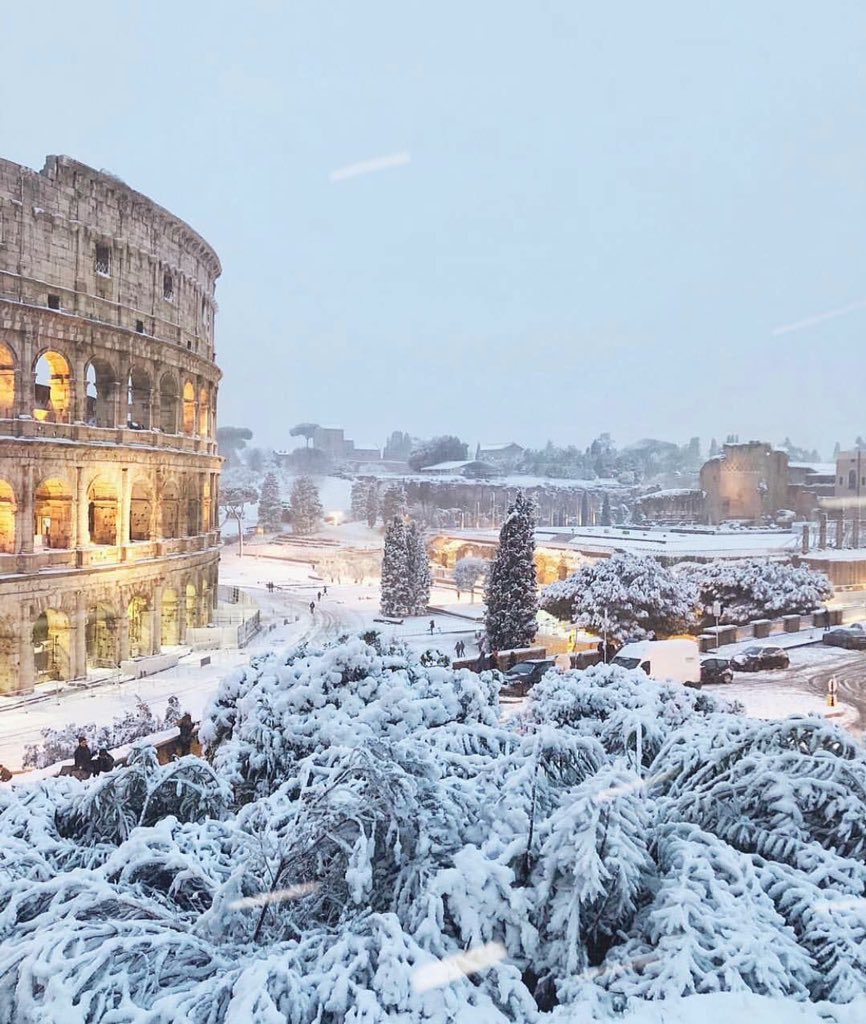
[
  {"x": 270, "y": 506},
  {"x": 419, "y": 576},
  {"x": 605, "y": 511},
  {"x": 511, "y": 593},
  {"x": 395, "y": 587},
  {"x": 372, "y": 504},
  {"x": 306, "y": 507}
]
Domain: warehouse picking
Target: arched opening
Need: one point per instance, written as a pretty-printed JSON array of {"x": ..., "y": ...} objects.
[
  {"x": 7, "y": 518},
  {"x": 138, "y": 616},
  {"x": 192, "y": 618},
  {"x": 52, "y": 513},
  {"x": 7, "y": 381},
  {"x": 188, "y": 408},
  {"x": 138, "y": 397},
  {"x": 205, "y": 602},
  {"x": 140, "y": 511},
  {"x": 852, "y": 479},
  {"x": 99, "y": 388},
  {"x": 102, "y": 512},
  {"x": 170, "y": 620},
  {"x": 203, "y": 407},
  {"x": 168, "y": 404},
  {"x": 53, "y": 389},
  {"x": 100, "y": 638},
  {"x": 51, "y": 646},
  {"x": 169, "y": 510},
  {"x": 192, "y": 509}
]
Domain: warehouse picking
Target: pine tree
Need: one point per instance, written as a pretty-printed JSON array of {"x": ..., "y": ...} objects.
[
  {"x": 393, "y": 502},
  {"x": 584, "y": 510},
  {"x": 358, "y": 508},
  {"x": 511, "y": 595},
  {"x": 418, "y": 565},
  {"x": 714, "y": 448},
  {"x": 395, "y": 588},
  {"x": 605, "y": 511},
  {"x": 372, "y": 510},
  {"x": 305, "y": 504},
  {"x": 270, "y": 506}
]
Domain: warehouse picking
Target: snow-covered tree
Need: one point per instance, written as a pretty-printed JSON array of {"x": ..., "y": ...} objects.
[
  {"x": 270, "y": 505},
  {"x": 511, "y": 595},
  {"x": 420, "y": 578},
  {"x": 233, "y": 501},
  {"x": 605, "y": 511},
  {"x": 372, "y": 505},
  {"x": 756, "y": 588},
  {"x": 628, "y": 596},
  {"x": 393, "y": 502},
  {"x": 306, "y": 508},
  {"x": 468, "y": 571},
  {"x": 396, "y": 588}
]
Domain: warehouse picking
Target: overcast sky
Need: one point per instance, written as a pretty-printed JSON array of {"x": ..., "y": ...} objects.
[{"x": 567, "y": 217}]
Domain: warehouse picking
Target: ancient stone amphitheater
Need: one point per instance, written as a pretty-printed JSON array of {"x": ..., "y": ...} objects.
[{"x": 108, "y": 391}]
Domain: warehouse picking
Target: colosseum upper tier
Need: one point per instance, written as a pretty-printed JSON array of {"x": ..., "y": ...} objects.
[{"x": 108, "y": 391}]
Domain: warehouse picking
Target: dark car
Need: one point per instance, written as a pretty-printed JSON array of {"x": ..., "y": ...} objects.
[
  {"x": 524, "y": 675},
  {"x": 716, "y": 670},
  {"x": 853, "y": 637},
  {"x": 754, "y": 659}
]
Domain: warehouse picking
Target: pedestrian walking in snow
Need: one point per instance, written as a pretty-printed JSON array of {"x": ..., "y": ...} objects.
[
  {"x": 319, "y": 596},
  {"x": 432, "y": 626},
  {"x": 325, "y": 591},
  {"x": 312, "y": 607}
]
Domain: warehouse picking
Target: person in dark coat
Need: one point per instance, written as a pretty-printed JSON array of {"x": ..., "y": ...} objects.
[
  {"x": 83, "y": 756},
  {"x": 5, "y": 774},
  {"x": 512, "y": 659},
  {"x": 184, "y": 741},
  {"x": 103, "y": 762}
]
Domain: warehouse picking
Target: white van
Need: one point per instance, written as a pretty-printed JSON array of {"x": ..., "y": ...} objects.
[{"x": 678, "y": 660}]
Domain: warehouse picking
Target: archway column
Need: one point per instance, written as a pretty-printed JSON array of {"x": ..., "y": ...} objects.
[
  {"x": 81, "y": 510},
  {"x": 123, "y": 635},
  {"x": 156, "y": 619},
  {"x": 26, "y": 667},
  {"x": 125, "y": 505},
  {"x": 25, "y": 512},
  {"x": 79, "y": 638}
]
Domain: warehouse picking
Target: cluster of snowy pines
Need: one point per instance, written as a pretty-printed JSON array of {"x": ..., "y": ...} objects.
[
  {"x": 368, "y": 502},
  {"x": 406, "y": 578},
  {"x": 625, "y": 841},
  {"x": 631, "y": 595}
]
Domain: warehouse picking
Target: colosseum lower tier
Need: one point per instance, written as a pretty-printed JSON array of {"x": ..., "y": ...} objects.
[{"x": 109, "y": 473}]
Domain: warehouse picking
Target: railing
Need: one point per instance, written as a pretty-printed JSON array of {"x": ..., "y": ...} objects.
[
  {"x": 17, "y": 427},
  {"x": 103, "y": 555}
]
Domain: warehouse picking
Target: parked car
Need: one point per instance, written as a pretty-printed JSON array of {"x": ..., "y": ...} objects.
[
  {"x": 524, "y": 675},
  {"x": 716, "y": 670},
  {"x": 754, "y": 659},
  {"x": 853, "y": 637}
]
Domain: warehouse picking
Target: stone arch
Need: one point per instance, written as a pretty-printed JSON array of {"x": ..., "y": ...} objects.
[
  {"x": 191, "y": 605},
  {"x": 191, "y": 508},
  {"x": 138, "y": 614},
  {"x": 9, "y": 653},
  {"x": 99, "y": 389},
  {"x": 102, "y": 511},
  {"x": 101, "y": 637},
  {"x": 169, "y": 511},
  {"x": 52, "y": 511},
  {"x": 203, "y": 411},
  {"x": 168, "y": 401},
  {"x": 53, "y": 388},
  {"x": 188, "y": 408},
  {"x": 170, "y": 619},
  {"x": 7, "y": 381},
  {"x": 8, "y": 509},
  {"x": 141, "y": 511},
  {"x": 138, "y": 399},
  {"x": 51, "y": 637}
]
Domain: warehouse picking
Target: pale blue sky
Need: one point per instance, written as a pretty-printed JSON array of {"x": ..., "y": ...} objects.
[{"x": 608, "y": 209}]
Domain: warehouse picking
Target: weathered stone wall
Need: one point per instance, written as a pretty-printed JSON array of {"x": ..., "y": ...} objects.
[{"x": 109, "y": 476}]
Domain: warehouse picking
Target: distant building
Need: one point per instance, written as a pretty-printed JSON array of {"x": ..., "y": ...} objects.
[
  {"x": 468, "y": 468},
  {"x": 849, "y": 478},
  {"x": 505, "y": 454}
]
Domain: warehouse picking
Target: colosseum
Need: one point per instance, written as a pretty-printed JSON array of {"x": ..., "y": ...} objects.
[{"x": 108, "y": 392}]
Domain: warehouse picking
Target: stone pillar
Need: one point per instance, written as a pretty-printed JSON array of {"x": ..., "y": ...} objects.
[
  {"x": 24, "y": 516},
  {"x": 181, "y": 613},
  {"x": 79, "y": 638},
  {"x": 119, "y": 404},
  {"x": 822, "y": 530},
  {"x": 156, "y": 620},
  {"x": 156, "y": 409},
  {"x": 840, "y": 529},
  {"x": 855, "y": 530},
  {"x": 125, "y": 506},
  {"x": 26, "y": 668},
  {"x": 150, "y": 397},
  {"x": 81, "y": 508},
  {"x": 123, "y": 633}
]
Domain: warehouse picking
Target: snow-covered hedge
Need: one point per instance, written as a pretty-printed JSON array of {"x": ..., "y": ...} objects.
[
  {"x": 366, "y": 816},
  {"x": 756, "y": 588},
  {"x": 629, "y": 595}
]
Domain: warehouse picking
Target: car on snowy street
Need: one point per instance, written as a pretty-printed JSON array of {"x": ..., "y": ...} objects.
[
  {"x": 716, "y": 670},
  {"x": 755, "y": 659},
  {"x": 853, "y": 637},
  {"x": 524, "y": 675}
]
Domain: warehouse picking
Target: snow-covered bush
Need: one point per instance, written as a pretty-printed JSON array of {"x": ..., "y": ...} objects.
[
  {"x": 366, "y": 815},
  {"x": 629, "y": 596},
  {"x": 756, "y": 588}
]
